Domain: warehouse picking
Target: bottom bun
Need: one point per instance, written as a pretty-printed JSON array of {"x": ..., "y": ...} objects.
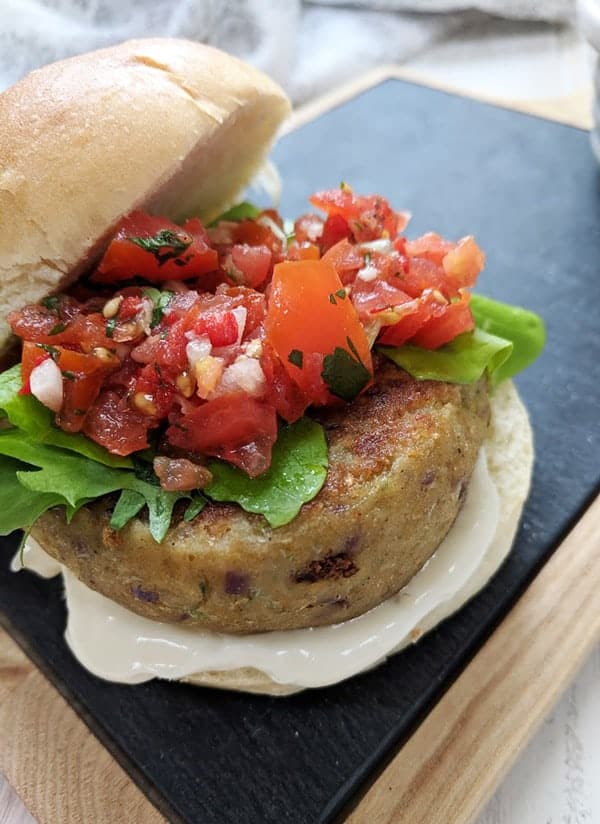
[
  {"x": 119, "y": 645},
  {"x": 509, "y": 454}
]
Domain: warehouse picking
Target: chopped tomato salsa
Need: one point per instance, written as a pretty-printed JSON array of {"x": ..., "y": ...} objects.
[{"x": 196, "y": 340}]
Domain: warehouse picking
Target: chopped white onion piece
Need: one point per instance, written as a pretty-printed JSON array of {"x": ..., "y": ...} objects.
[
  {"x": 145, "y": 315},
  {"x": 46, "y": 384},
  {"x": 240, "y": 313},
  {"x": 367, "y": 273},
  {"x": 253, "y": 348},
  {"x": 198, "y": 349},
  {"x": 372, "y": 329},
  {"x": 246, "y": 374},
  {"x": 265, "y": 220},
  {"x": 382, "y": 245}
]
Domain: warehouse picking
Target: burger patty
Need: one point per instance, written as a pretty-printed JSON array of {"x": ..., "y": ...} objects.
[{"x": 400, "y": 458}]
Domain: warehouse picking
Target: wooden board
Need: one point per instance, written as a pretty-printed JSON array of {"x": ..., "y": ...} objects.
[{"x": 64, "y": 774}]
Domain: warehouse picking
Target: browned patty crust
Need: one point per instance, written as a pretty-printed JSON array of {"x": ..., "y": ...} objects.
[{"x": 400, "y": 459}]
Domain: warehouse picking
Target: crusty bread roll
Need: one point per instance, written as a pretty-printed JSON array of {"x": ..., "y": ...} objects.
[
  {"x": 172, "y": 126},
  {"x": 509, "y": 453}
]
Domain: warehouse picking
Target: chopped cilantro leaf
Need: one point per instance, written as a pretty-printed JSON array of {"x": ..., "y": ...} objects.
[
  {"x": 164, "y": 245},
  {"x": 56, "y": 330},
  {"x": 296, "y": 357},
  {"x": 344, "y": 373}
]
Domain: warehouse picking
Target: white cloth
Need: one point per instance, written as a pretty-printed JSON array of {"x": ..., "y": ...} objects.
[{"x": 308, "y": 47}]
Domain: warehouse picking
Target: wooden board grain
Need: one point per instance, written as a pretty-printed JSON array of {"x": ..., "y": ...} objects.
[
  {"x": 450, "y": 765},
  {"x": 454, "y": 761},
  {"x": 59, "y": 769}
]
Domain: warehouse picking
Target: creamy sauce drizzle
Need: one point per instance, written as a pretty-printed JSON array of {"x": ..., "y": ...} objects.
[{"x": 118, "y": 645}]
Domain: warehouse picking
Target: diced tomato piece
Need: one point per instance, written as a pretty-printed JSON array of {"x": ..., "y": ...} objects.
[
  {"x": 282, "y": 392},
  {"x": 336, "y": 228},
  {"x": 414, "y": 314},
  {"x": 418, "y": 275},
  {"x": 221, "y": 327},
  {"x": 80, "y": 390},
  {"x": 254, "y": 263},
  {"x": 157, "y": 250},
  {"x": 234, "y": 427},
  {"x": 166, "y": 348},
  {"x": 255, "y": 304},
  {"x": 130, "y": 307},
  {"x": 464, "y": 262},
  {"x": 345, "y": 259},
  {"x": 83, "y": 376},
  {"x": 430, "y": 246},
  {"x": 368, "y": 216},
  {"x": 157, "y": 389},
  {"x": 255, "y": 234},
  {"x": 375, "y": 296},
  {"x": 303, "y": 251},
  {"x": 455, "y": 319},
  {"x": 113, "y": 423},
  {"x": 308, "y": 229},
  {"x": 309, "y": 316},
  {"x": 226, "y": 299}
]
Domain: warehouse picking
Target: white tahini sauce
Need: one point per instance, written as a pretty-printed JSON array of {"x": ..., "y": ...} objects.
[{"x": 118, "y": 645}]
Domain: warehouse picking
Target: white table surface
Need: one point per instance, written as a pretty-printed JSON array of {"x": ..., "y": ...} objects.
[{"x": 557, "y": 778}]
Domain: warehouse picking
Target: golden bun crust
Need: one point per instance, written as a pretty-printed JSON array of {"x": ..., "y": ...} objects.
[
  {"x": 170, "y": 125},
  {"x": 509, "y": 452}
]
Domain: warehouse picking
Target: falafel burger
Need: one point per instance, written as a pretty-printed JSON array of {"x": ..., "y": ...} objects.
[{"x": 264, "y": 454}]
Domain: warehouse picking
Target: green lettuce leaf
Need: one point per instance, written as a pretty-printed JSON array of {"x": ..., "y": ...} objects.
[
  {"x": 29, "y": 415},
  {"x": 74, "y": 480},
  {"x": 523, "y": 328},
  {"x": 297, "y": 473},
  {"x": 20, "y": 507},
  {"x": 505, "y": 340},
  {"x": 463, "y": 360},
  {"x": 240, "y": 211}
]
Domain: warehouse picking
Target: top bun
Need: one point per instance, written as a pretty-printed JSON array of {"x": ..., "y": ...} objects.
[{"x": 171, "y": 126}]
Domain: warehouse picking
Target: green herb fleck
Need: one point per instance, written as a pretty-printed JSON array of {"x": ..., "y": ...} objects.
[
  {"x": 296, "y": 357},
  {"x": 160, "y": 300},
  {"x": 56, "y": 330},
  {"x": 332, "y": 299},
  {"x": 52, "y": 302},
  {"x": 341, "y": 293},
  {"x": 164, "y": 245},
  {"x": 111, "y": 324},
  {"x": 50, "y": 350},
  {"x": 344, "y": 372},
  {"x": 70, "y": 376}
]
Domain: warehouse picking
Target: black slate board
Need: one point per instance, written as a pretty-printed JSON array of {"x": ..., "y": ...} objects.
[{"x": 528, "y": 189}]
